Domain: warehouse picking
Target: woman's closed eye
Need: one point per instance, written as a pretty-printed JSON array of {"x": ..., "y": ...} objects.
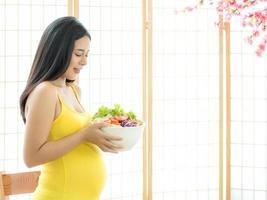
[
  {"x": 79, "y": 55},
  {"x": 81, "y": 52}
]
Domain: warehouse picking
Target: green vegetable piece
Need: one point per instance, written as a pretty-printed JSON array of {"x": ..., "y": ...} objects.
[
  {"x": 117, "y": 110},
  {"x": 131, "y": 115},
  {"x": 103, "y": 111}
]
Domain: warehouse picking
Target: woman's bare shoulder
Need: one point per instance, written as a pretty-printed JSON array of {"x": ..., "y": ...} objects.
[
  {"x": 45, "y": 91},
  {"x": 45, "y": 88}
]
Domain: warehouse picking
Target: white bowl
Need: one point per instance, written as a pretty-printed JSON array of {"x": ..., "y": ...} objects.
[{"x": 130, "y": 135}]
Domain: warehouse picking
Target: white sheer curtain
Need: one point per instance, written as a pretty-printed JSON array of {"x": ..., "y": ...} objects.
[
  {"x": 185, "y": 103},
  {"x": 249, "y": 119}
]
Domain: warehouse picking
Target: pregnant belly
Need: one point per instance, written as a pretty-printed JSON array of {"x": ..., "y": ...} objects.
[{"x": 79, "y": 174}]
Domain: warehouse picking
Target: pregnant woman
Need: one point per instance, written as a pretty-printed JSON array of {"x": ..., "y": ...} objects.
[{"x": 59, "y": 134}]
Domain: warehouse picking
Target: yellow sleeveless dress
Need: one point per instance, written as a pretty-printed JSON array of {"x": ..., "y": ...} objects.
[{"x": 79, "y": 174}]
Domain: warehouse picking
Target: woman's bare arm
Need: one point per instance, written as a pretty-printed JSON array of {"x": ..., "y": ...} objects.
[{"x": 40, "y": 116}]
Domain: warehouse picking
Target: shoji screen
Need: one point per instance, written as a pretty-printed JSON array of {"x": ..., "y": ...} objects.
[
  {"x": 249, "y": 119},
  {"x": 114, "y": 75},
  {"x": 185, "y": 103},
  {"x": 21, "y": 26}
]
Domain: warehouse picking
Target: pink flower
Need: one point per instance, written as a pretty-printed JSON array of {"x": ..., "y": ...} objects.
[
  {"x": 262, "y": 47},
  {"x": 256, "y": 33},
  {"x": 189, "y": 8},
  {"x": 259, "y": 53}
]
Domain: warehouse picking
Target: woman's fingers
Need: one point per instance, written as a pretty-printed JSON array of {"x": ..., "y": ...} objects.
[
  {"x": 111, "y": 146},
  {"x": 108, "y": 149},
  {"x": 109, "y": 137},
  {"x": 103, "y": 139},
  {"x": 114, "y": 146},
  {"x": 105, "y": 149},
  {"x": 101, "y": 125}
]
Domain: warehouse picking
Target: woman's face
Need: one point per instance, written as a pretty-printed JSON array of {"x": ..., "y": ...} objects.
[{"x": 79, "y": 58}]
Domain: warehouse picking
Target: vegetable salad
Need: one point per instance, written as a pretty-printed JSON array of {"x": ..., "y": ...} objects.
[{"x": 116, "y": 116}]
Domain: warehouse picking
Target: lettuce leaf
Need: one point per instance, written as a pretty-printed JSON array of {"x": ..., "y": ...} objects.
[{"x": 104, "y": 111}]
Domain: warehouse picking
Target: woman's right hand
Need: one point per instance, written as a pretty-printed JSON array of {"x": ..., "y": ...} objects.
[{"x": 103, "y": 140}]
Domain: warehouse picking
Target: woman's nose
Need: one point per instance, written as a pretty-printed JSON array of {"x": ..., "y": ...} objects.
[{"x": 83, "y": 60}]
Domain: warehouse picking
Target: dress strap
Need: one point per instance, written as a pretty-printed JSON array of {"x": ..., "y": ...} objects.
[
  {"x": 60, "y": 99},
  {"x": 75, "y": 92}
]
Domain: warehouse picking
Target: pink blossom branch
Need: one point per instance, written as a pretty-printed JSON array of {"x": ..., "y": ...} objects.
[{"x": 251, "y": 17}]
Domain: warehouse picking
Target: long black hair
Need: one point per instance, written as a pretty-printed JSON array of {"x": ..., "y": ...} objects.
[{"x": 53, "y": 54}]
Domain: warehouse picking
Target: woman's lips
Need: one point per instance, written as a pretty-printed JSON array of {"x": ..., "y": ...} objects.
[{"x": 77, "y": 70}]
